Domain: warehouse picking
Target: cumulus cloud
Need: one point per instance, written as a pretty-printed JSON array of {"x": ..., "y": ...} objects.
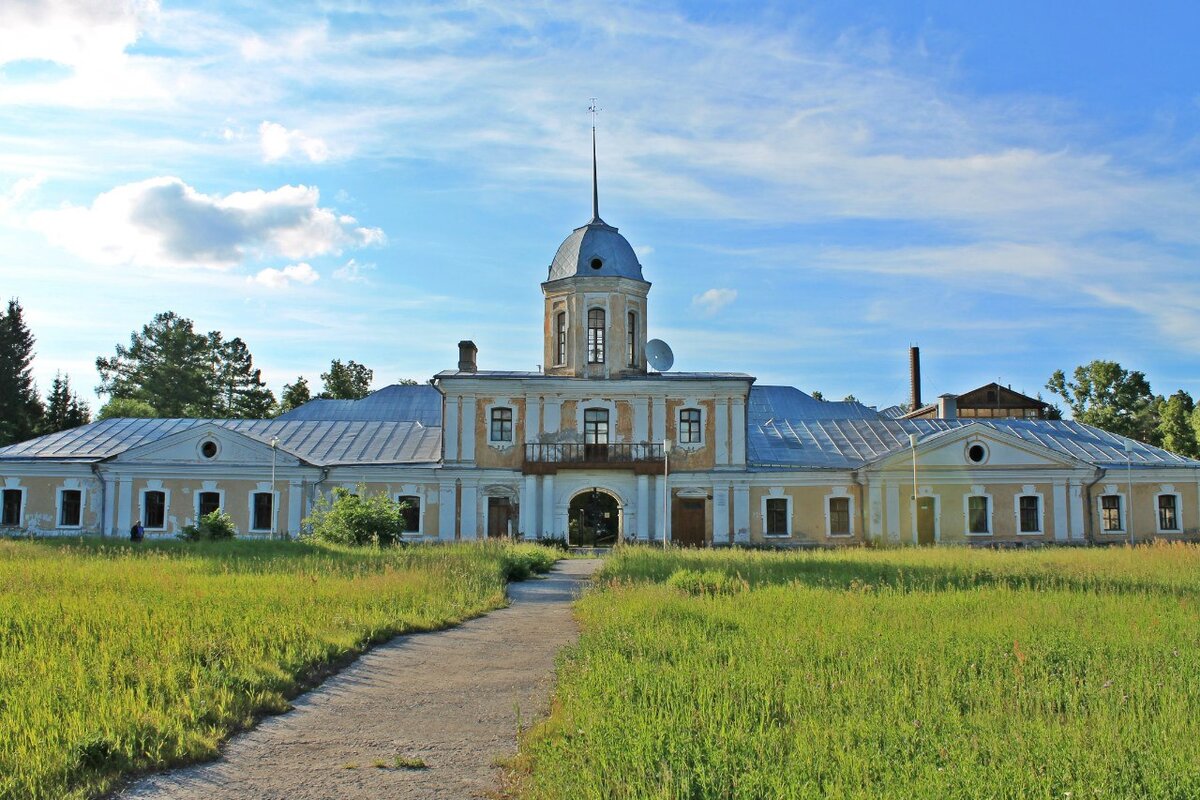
[
  {"x": 278, "y": 142},
  {"x": 713, "y": 300},
  {"x": 71, "y": 32},
  {"x": 165, "y": 222},
  {"x": 272, "y": 278}
]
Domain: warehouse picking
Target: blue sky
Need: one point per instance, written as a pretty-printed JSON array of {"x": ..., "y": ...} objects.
[{"x": 1013, "y": 186}]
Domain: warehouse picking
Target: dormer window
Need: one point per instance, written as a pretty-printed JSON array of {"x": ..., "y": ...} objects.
[{"x": 596, "y": 336}]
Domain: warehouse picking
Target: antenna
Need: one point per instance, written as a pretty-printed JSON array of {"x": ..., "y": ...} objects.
[
  {"x": 659, "y": 354},
  {"x": 594, "y": 109}
]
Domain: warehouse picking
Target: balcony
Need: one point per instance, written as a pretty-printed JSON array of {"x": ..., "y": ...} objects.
[{"x": 642, "y": 458}]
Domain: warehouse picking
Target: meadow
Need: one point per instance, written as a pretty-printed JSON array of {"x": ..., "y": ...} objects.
[
  {"x": 931, "y": 673},
  {"x": 118, "y": 658}
]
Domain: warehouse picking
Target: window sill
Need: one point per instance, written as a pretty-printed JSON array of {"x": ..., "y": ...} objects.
[
  {"x": 1113, "y": 533},
  {"x": 979, "y": 533},
  {"x": 777, "y": 536},
  {"x": 1031, "y": 533},
  {"x": 1168, "y": 531},
  {"x": 849, "y": 535}
]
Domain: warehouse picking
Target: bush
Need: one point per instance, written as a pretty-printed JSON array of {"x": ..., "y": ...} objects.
[
  {"x": 522, "y": 561},
  {"x": 214, "y": 526},
  {"x": 357, "y": 519}
]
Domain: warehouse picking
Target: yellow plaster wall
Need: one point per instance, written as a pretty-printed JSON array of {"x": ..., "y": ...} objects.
[
  {"x": 1144, "y": 509},
  {"x": 703, "y": 457},
  {"x": 41, "y": 492},
  {"x": 808, "y": 516},
  {"x": 488, "y": 455}
]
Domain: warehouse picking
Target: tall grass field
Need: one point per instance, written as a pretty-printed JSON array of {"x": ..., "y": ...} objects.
[
  {"x": 116, "y": 659},
  {"x": 945, "y": 673}
]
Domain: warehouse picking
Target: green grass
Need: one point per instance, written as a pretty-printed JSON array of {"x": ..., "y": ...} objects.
[
  {"x": 115, "y": 659},
  {"x": 945, "y": 673}
]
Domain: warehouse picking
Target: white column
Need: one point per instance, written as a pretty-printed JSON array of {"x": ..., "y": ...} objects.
[
  {"x": 551, "y": 417},
  {"x": 658, "y": 420},
  {"x": 741, "y": 514},
  {"x": 722, "y": 432},
  {"x": 643, "y": 508},
  {"x": 720, "y": 514},
  {"x": 529, "y": 508},
  {"x": 893, "y": 513},
  {"x": 659, "y": 522},
  {"x": 110, "y": 505},
  {"x": 450, "y": 430},
  {"x": 468, "y": 429},
  {"x": 738, "y": 428},
  {"x": 874, "y": 510},
  {"x": 1060, "y": 511},
  {"x": 1077, "y": 511},
  {"x": 124, "y": 504},
  {"x": 533, "y": 419},
  {"x": 446, "y": 515},
  {"x": 548, "y": 522},
  {"x": 469, "y": 527},
  {"x": 641, "y": 420},
  {"x": 295, "y": 506}
]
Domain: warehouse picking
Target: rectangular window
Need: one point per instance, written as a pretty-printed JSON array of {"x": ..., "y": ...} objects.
[
  {"x": 410, "y": 510},
  {"x": 631, "y": 337},
  {"x": 977, "y": 514},
  {"x": 207, "y": 502},
  {"x": 1110, "y": 512},
  {"x": 154, "y": 510},
  {"x": 689, "y": 426},
  {"x": 560, "y": 325},
  {"x": 595, "y": 332},
  {"x": 777, "y": 516},
  {"x": 1031, "y": 514},
  {"x": 12, "y": 507},
  {"x": 1168, "y": 516},
  {"x": 502, "y": 425},
  {"x": 839, "y": 516},
  {"x": 262, "y": 511},
  {"x": 70, "y": 508}
]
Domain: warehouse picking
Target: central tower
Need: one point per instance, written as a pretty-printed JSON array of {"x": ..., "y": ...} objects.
[{"x": 595, "y": 295}]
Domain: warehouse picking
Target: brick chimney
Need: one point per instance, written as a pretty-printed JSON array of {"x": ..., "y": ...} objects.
[
  {"x": 914, "y": 371},
  {"x": 466, "y": 356}
]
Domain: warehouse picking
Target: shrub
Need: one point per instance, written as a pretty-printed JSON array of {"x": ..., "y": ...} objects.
[
  {"x": 214, "y": 526},
  {"x": 357, "y": 519}
]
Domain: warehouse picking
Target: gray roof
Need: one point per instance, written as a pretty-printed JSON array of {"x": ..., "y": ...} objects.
[
  {"x": 395, "y": 403},
  {"x": 789, "y": 429},
  {"x": 596, "y": 240},
  {"x": 678, "y": 376},
  {"x": 323, "y": 443}
]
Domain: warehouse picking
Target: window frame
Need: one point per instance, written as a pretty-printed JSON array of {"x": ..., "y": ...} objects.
[
  {"x": 695, "y": 428},
  {"x": 989, "y": 508},
  {"x": 1177, "y": 510},
  {"x": 166, "y": 508},
  {"x": 420, "y": 510},
  {"x": 1121, "y": 514},
  {"x": 253, "y": 509},
  {"x": 1041, "y": 513},
  {"x": 20, "y": 506},
  {"x": 58, "y": 506},
  {"x": 766, "y": 515},
  {"x": 498, "y": 411},
  {"x": 829, "y": 531},
  {"x": 220, "y": 493},
  {"x": 595, "y": 433},
  {"x": 560, "y": 338},
  {"x": 631, "y": 323},
  {"x": 596, "y": 335}
]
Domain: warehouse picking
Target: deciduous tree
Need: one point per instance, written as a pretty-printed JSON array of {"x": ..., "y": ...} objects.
[
  {"x": 1175, "y": 429},
  {"x": 1109, "y": 397},
  {"x": 349, "y": 381},
  {"x": 126, "y": 407}
]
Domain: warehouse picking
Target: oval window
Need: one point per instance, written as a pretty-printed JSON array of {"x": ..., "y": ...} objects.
[
  {"x": 597, "y": 263},
  {"x": 977, "y": 453},
  {"x": 208, "y": 449}
]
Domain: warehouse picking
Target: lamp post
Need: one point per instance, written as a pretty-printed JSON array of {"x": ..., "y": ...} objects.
[
  {"x": 1129, "y": 485},
  {"x": 912, "y": 442},
  {"x": 666, "y": 487},
  {"x": 274, "y": 512}
]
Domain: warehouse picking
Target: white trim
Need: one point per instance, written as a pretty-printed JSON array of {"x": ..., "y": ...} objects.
[
  {"x": 58, "y": 491},
  {"x": 839, "y": 492},
  {"x": 274, "y": 509},
  {"x": 1026, "y": 492},
  {"x": 991, "y": 509},
  {"x": 166, "y": 505},
  {"x": 208, "y": 486},
  {"x": 1168, "y": 491},
  {"x": 419, "y": 495},
  {"x": 14, "y": 485},
  {"x": 203, "y": 440},
  {"x": 776, "y": 493},
  {"x": 583, "y": 404},
  {"x": 500, "y": 444},
  {"x": 1122, "y": 508},
  {"x": 976, "y": 442}
]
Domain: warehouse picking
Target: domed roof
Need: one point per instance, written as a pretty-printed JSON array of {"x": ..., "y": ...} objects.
[{"x": 595, "y": 250}]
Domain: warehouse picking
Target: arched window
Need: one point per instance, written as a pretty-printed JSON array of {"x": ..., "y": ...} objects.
[
  {"x": 596, "y": 336},
  {"x": 560, "y": 326},
  {"x": 631, "y": 338}
]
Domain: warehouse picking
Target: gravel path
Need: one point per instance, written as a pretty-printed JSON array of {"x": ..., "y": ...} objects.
[{"x": 450, "y": 698}]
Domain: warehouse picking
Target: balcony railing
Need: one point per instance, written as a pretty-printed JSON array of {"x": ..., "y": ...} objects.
[{"x": 550, "y": 457}]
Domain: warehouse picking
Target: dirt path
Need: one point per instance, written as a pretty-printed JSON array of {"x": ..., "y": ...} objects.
[{"x": 450, "y": 698}]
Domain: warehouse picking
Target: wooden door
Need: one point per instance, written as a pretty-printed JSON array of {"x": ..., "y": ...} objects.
[
  {"x": 926, "y": 519},
  {"x": 499, "y": 516},
  {"x": 687, "y": 523}
]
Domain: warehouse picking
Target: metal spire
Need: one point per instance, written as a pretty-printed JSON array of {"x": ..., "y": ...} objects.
[{"x": 593, "y": 109}]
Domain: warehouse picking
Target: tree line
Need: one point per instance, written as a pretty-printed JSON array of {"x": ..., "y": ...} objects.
[{"x": 168, "y": 369}]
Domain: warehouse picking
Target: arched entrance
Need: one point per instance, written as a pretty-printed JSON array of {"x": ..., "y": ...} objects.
[{"x": 594, "y": 519}]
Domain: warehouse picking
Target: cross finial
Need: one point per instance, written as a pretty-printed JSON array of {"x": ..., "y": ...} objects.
[{"x": 594, "y": 109}]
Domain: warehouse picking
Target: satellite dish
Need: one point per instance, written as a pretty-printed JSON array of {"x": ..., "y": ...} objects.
[{"x": 659, "y": 354}]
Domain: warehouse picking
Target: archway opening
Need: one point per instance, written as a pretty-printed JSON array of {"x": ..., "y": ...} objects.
[{"x": 594, "y": 519}]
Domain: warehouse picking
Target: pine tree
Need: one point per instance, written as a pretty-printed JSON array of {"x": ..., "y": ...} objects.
[
  {"x": 167, "y": 365},
  {"x": 295, "y": 394},
  {"x": 20, "y": 407},
  {"x": 238, "y": 390},
  {"x": 64, "y": 409}
]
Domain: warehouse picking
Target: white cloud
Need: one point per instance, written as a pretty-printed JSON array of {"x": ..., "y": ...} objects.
[
  {"x": 71, "y": 32},
  {"x": 352, "y": 272},
  {"x": 277, "y": 142},
  {"x": 272, "y": 278},
  {"x": 713, "y": 300},
  {"x": 19, "y": 190},
  {"x": 165, "y": 222}
]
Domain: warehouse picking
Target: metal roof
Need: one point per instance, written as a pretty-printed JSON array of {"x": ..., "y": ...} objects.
[
  {"x": 678, "y": 376},
  {"x": 323, "y": 443},
  {"x": 788, "y": 429},
  {"x": 596, "y": 240},
  {"x": 396, "y": 403}
]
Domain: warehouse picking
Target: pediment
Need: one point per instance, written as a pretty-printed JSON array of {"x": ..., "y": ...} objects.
[
  {"x": 189, "y": 447},
  {"x": 953, "y": 450}
]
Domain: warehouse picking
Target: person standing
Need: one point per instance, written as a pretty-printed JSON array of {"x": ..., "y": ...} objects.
[{"x": 137, "y": 532}]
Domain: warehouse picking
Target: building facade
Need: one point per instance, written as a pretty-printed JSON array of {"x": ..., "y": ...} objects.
[{"x": 596, "y": 448}]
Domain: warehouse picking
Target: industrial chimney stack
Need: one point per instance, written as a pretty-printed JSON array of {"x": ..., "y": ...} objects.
[{"x": 914, "y": 369}]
